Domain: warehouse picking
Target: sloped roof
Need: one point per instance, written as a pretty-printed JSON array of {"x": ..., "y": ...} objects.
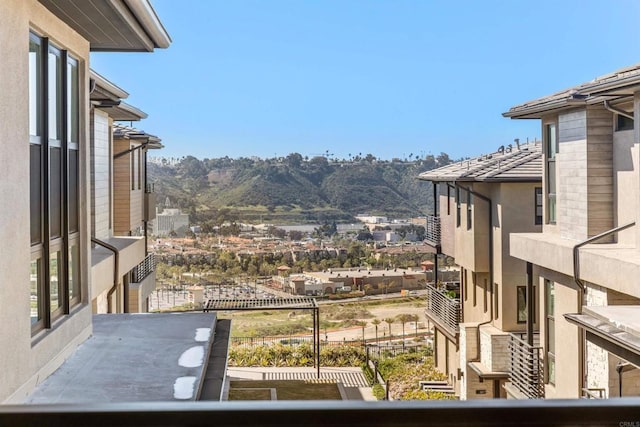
[
  {"x": 113, "y": 25},
  {"x": 122, "y": 131},
  {"x": 510, "y": 164},
  {"x": 622, "y": 82}
]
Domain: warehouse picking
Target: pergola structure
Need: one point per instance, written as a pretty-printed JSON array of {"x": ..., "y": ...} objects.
[{"x": 297, "y": 303}]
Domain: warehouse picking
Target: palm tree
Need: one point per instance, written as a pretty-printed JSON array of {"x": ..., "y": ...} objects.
[
  {"x": 389, "y": 321},
  {"x": 404, "y": 318},
  {"x": 376, "y": 322}
]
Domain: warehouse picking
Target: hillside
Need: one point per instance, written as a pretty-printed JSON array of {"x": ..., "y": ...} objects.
[{"x": 293, "y": 188}]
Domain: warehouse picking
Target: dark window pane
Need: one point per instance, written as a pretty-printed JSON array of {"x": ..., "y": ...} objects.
[
  {"x": 55, "y": 192},
  {"x": 73, "y": 191},
  {"x": 35, "y": 193}
]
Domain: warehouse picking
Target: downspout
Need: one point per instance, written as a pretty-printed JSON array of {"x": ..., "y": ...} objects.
[
  {"x": 582, "y": 288},
  {"x": 116, "y": 276},
  {"x": 438, "y": 247},
  {"x": 491, "y": 307},
  {"x": 617, "y": 110}
]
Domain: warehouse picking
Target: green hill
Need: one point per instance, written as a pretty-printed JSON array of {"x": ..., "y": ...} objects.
[{"x": 294, "y": 189}]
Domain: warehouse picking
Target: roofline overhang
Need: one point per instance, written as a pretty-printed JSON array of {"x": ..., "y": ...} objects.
[
  {"x": 489, "y": 180},
  {"x": 628, "y": 84},
  {"x": 537, "y": 111},
  {"x": 107, "y": 86},
  {"x": 128, "y": 111},
  {"x": 150, "y": 22}
]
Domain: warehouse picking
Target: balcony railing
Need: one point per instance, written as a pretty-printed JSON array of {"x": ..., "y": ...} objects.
[
  {"x": 443, "y": 309},
  {"x": 432, "y": 230},
  {"x": 526, "y": 369},
  {"x": 146, "y": 267}
]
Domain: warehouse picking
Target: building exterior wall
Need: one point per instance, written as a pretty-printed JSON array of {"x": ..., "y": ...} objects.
[
  {"x": 447, "y": 213},
  {"x": 515, "y": 212},
  {"x": 31, "y": 359},
  {"x": 101, "y": 176},
  {"x": 626, "y": 176}
]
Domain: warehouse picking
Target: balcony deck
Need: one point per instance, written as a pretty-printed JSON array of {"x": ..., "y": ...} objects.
[{"x": 444, "y": 311}]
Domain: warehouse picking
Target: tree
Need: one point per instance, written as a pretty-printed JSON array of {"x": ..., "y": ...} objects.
[
  {"x": 362, "y": 324},
  {"x": 389, "y": 321},
  {"x": 376, "y": 322},
  {"x": 404, "y": 318}
]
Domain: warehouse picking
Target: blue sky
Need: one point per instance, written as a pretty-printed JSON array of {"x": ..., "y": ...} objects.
[{"x": 391, "y": 78}]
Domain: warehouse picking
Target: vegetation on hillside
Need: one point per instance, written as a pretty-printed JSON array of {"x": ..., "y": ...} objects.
[{"x": 294, "y": 188}]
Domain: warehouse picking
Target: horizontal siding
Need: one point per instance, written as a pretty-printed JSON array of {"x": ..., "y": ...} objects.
[{"x": 600, "y": 170}]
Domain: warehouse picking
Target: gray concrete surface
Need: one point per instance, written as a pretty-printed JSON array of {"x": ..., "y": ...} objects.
[{"x": 129, "y": 357}]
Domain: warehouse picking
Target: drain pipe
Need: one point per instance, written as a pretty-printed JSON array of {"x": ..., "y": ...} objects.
[
  {"x": 116, "y": 276},
  {"x": 491, "y": 307},
  {"x": 616, "y": 110},
  {"x": 582, "y": 289}
]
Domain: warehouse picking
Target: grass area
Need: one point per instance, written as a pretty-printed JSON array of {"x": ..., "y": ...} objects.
[
  {"x": 285, "y": 390},
  {"x": 332, "y": 316}
]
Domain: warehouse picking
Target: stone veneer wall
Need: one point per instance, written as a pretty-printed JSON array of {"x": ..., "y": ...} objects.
[
  {"x": 494, "y": 348},
  {"x": 597, "y": 363}
]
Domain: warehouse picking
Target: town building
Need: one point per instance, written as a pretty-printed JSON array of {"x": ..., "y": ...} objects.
[
  {"x": 369, "y": 281},
  {"x": 586, "y": 261},
  {"x": 78, "y": 212},
  {"x": 170, "y": 221},
  {"x": 479, "y": 202}
]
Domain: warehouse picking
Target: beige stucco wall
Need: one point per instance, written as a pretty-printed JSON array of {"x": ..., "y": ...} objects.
[
  {"x": 27, "y": 361},
  {"x": 625, "y": 166},
  {"x": 515, "y": 213},
  {"x": 568, "y": 384},
  {"x": 447, "y": 212}
]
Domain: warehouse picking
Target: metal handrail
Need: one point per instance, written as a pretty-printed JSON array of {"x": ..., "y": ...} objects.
[
  {"x": 525, "y": 367},
  {"x": 433, "y": 230},
  {"x": 443, "y": 308},
  {"x": 144, "y": 269}
]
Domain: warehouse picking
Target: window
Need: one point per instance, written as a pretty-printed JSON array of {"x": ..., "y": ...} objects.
[
  {"x": 552, "y": 149},
  {"x": 469, "y": 213},
  {"x": 54, "y": 104},
  {"x": 538, "y": 205},
  {"x": 463, "y": 278},
  {"x": 457, "y": 207},
  {"x": 550, "y": 331},
  {"x": 521, "y": 296},
  {"x": 623, "y": 123},
  {"x": 448, "y": 199}
]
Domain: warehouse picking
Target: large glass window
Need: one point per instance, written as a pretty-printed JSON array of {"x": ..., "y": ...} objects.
[
  {"x": 550, "y": 331},
  {"x": 54, "y": 128},
  {"x": 538, "y": 204},
  {"x": 469, "y": 211},
  {"x": 521, "y": 297},
  {"x": 458, "y": 207},
  {"x": 552, "y": 149}
]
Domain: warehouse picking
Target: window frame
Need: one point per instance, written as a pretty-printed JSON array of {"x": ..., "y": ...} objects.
[
  {"x": 523, "y": 289},
  {"x": 538, "y": 206},
  {"x": 552, "y": 149},
  {"x": 56, "y": 106},
  {"x": 550, "y": 371}
]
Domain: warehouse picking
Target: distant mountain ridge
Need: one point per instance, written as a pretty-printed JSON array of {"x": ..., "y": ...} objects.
[{"x": 295, "y": 189}]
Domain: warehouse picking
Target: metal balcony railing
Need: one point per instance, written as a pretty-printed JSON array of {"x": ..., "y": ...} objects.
[
  {"x": 146, "y": 267},
  {"x": 443, "y": 309},
  {"x": 526, "y": 368},
  {"x": 432, "y": 230}
]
